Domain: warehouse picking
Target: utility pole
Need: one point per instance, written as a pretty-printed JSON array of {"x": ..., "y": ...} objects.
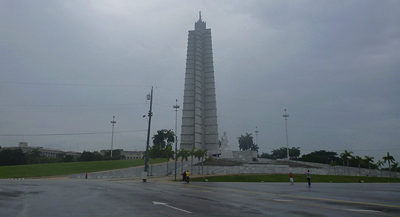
[
  {"x": 287, "y": 140},
  {"x": 146, "y": 164},
  {"x": 176, "y": 106},
  {"x": 112, "y": 134}
]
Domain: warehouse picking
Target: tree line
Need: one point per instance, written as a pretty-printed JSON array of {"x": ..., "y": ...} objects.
[
  {"x": 10, "y": 157},
  {"x": 333, "y": 158},
  {"x": 162, "y": 147},
  {"x": 162, "y": 143}
]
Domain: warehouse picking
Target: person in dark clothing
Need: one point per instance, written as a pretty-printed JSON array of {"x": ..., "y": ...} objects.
[
  {"x": 184, "y": 177},
  {"x": 308, "y": 178}
]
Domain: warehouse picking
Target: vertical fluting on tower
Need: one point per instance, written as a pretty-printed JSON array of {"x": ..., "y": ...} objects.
[{"x": 199, "y": 117}]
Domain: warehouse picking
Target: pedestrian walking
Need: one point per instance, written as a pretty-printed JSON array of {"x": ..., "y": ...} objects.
[
  {"x": 308, "y": 178},
  {"x": 291, "y": 178},
  {"x": 184, "y": 177},
  {"x": 187, "y": 176}
]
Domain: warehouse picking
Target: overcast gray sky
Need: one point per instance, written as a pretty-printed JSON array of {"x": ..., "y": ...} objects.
[{"x": 67, "y": 67}]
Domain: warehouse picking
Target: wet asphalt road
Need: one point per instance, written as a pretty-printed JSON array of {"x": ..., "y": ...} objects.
[{"x": 159, "y": 197}]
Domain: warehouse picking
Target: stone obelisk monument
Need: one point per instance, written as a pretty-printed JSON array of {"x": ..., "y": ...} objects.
[{"x": 199, "y": 112}]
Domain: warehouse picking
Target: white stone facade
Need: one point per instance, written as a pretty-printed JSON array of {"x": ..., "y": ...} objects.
[{"x": 199, "y": 112}]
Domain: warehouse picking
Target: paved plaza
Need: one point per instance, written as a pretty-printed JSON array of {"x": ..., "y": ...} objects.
[{"x": 162, "y": 197}]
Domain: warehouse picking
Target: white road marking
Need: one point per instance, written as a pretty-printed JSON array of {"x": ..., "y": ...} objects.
[
  {"x": 166, "y": 204},
  {"x": 280, "y": 200},
  {"x": 100, "y": 188},
  {"x": 362, "y": 210}
]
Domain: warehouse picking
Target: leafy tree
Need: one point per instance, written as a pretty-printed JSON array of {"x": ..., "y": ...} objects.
[
  {"x": 34, "y": 157},
  {"x": 322, "y": 156},
  {"x": 153, "y": 153},
  {"x": 60, "y": 157},
  {"x": 163, "y": 138},
  {"x": 12, "y": 157},
  {"x": 161, "y": 141},
  {"x": 168, "y": 152},
  {"x": 294, "y": 153},
  {"x": 90, "y": 156},
  {"x": 389, "y": 159},
  {"x": 116, "y": 155},
  {"x": 266, "y": 155},
  {"x": 68, "y": 158},
  {"x": 281, "y": 153}
]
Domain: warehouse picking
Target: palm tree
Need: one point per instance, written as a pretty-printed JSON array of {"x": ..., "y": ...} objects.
[
  {"x": 197, "y": 154},
  {"x": 346, "y": 155},
  {"x": 245, "y": 142},
  {"x": 334, "y": 163},
  {"x": 379, "y": 165},
  {"x": 359, "y": 161},
  {"x": 200, "y": 154},
  {"x": 394, "y": 166},
  {"x": 168, "y": 153},
  {"x": 183, "y": 154},
  {"x": 368, "y": 160},
  {"x": 192, "y": 153},
  {"x": 388, "y": 158},
  {"x": 203, "y": 155}
]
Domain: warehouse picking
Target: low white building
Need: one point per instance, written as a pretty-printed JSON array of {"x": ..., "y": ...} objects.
[{"x": 48, "y": 152}]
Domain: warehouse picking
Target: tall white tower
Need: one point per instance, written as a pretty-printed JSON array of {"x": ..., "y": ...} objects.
[{"x": 199, "y": 117}]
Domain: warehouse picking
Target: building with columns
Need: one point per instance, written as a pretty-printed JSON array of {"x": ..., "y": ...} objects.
[{"x": 199, "y": 112}]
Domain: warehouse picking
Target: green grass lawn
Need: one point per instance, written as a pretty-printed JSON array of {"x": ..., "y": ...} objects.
[
  {"x": 297, "y": 178},
  {"x": 59, "y": 169}
]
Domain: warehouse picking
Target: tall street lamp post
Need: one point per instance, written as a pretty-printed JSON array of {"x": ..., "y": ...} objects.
[
  {"x": 112, "y": 134},
  {"x": 287, "y": 140},
  {"x": 256, "y": 135},
  {"x": 176, "y": 106},
  {"x": 146, "y": 164}
]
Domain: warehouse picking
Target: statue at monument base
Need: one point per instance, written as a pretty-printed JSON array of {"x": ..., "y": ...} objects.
[{"x": 225, "y": 151}]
